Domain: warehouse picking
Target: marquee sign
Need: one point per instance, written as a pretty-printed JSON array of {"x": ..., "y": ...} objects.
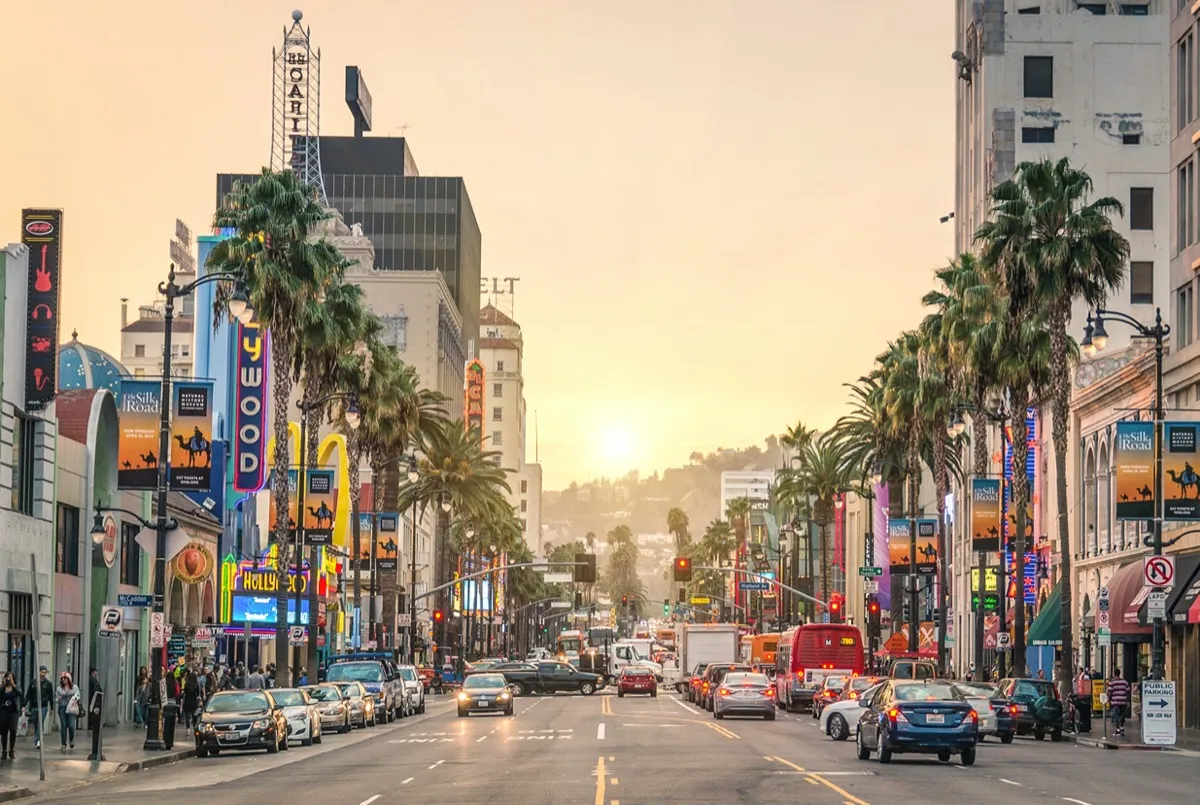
[
  {"x": 474, "y": 396},
  {"x": 250, "y": 417}
]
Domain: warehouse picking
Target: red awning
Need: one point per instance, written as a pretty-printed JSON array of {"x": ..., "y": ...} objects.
[{"x": 1125, "y": 596}]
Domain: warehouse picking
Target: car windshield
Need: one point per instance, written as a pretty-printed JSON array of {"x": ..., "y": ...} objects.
[
  {"x": 700, "y": 669},
  {"x": 835, "y": 682},
  {"x": 355, "y": 672},
  {"x": 350, "y": 690},
  {"x": 408, "y": 674},
  {"x": 933, "y": 691},
  {"x": 324, "y": 693},
  {"x": 860, "y": 683},
  {"x": 484, "y": 681},
  {"x": 1036, "y": 688},
  {"x": 288, "y": 698},
  {"x": 741, "y": 678},
  {"x": 637, "y": 672},
  {"x": 977, "y": 690},
  {"x": 238, "y": 703}
]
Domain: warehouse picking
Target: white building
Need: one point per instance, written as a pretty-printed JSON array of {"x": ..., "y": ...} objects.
[
  {"x": 27, "y": 445},
  {"x": 752, "y": 484},
  {"x": 142, "y": 338}
]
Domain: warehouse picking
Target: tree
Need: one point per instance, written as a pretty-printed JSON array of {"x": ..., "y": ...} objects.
[
  {"x": 282, "y": 267},
  {"x": 1043, "y": 228},
  {"x": 677, "y": 526}
]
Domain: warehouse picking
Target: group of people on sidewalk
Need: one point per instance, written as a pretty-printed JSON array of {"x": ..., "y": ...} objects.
[{"x": 16, "y": 704}]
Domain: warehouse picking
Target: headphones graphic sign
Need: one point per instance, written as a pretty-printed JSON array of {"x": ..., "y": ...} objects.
[
  {"x": 41, "y": 232},
  {"x": 41, "y": 311}
]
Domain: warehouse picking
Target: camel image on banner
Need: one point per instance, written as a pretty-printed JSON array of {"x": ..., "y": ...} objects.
[
  {"x": 1181, "y": 483},
  {"x": 191, "y": 436}
]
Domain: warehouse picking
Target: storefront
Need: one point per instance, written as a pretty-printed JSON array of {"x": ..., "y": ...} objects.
[
  {"x": 1183, "y": 637},
  {"x": 1044, "y": 637},
  {"x": 1130, "y": 650}
]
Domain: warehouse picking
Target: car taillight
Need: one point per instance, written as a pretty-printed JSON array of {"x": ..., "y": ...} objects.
[
  {"x": 973, "y": 716},
  {"x": 853, "y": 695},
  {"x": 896, "y": 716},
  {"x": 769, "y": 692},
  {"x": 1012, "y": 708},
  {"x": 724, "y": 691},
  {"x": 706, "y": 686}
]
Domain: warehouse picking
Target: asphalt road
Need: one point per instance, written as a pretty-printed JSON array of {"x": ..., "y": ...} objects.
[{"x": 601, "y": 750}]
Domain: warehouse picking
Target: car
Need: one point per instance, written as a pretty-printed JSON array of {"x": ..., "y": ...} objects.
[
  {"x": 837, "y": 717},
  {"x": 428, "y": 675},
  {"x": 712, "y": 678},
  {"x": 910, "y": 668},
  {"x": 362, "y": 703},
  {"x": 744, "y": 693},
  {"x": 928, "y": 716},
  {"x": 413, "y": 688},
  {"x": 635, "y": 679},
  {"x": 377, "y": 672},
  {"x": 691, "y": 686},
  {"x": 552, "y": 677},
  {"x": 240, "y": 719},
  {"x": 1039, "y": 709},
  {"x": 332, "y": 705},
  {"x": 485, "y": 693},
  {"x": 303, "y": 720},
  {"x": 997, "y": 715},
  {"x": 830, "y": 691}
]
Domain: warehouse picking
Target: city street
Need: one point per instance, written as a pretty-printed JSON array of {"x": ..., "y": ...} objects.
[{"x": 604, "y": 750}]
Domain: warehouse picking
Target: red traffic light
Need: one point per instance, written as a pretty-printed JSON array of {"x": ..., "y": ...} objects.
[
  {"x": 624, "y": 600},
  {"x": 438, "y": 616},
  {"x": 682, "y": 568},
  {"x": 873, "y": 607}
]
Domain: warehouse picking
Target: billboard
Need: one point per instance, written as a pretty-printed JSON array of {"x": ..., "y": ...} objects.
[
  {"x": 250, "y": 412},
  {"x": 985, "y": 514},
  {"x": 41, "y": 232},
  {"x": 191, "y": 435},
  {"x": 264, "y": 609},
  {"x": 137, "y": 442},
  {"x": 927, "y": 552},
  {"x": 292, "y": 504},
  {"x": 1181, "y": 483},
  {"x": 363, "y": 560},
  {"x": 320, "y": 503},
  {"x": 899, "y": 546},
  {"x": 1133, "y": 456},
  {"x": 358, "y": 98},
  {"x": 387, "y": 547},
  {"x": 473, "y": 397}
]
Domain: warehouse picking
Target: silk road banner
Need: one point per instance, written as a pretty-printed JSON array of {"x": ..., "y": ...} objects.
[
  {"x": 387, "y": 546},
  {"x": 137, "y": 443},
  {"x": 320, "y": 504},
  {"x": 899, "y": 546},
  {"x": 985, "y": 514},
  {"x": 1134, "y": 460}
]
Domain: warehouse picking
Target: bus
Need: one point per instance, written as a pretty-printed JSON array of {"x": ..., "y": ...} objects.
[
  {"x": 809, "y": 653},
  {"x": 666, "y": 637},
  {"x": 759, "y": 648},
  {"x": 570, "y": 642}
]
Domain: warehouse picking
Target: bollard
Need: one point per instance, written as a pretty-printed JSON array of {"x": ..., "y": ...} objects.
[{"x": 95, "y": 713}]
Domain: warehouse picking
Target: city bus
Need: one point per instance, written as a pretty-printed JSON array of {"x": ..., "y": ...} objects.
[{"x": 809, "y": 653}]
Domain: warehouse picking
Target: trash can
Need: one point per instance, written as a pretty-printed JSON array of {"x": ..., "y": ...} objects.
[
  {"x": 1083, "y": 712},
  {"x": 170, "y": 717}
]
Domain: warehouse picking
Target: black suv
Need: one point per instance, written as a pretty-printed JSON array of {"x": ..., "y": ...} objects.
[{"x": 1039, "y": 710}]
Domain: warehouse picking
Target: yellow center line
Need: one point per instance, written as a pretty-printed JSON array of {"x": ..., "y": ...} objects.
[
  {"x": 600, "y": 781},
  {"x": 850, "y": 798},
  {"x": 718, "y": 728}
]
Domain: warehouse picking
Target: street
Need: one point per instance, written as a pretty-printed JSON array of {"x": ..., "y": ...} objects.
[{"x": 605, "y": 750}]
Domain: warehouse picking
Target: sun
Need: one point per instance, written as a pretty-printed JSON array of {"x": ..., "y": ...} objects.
[{"x": 617, "y": 447}]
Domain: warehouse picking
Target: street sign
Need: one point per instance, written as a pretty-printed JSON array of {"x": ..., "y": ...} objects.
[
  {"x": 989, "y": 640},
  {"x": 135, "y": 600},
  {"x": 558, "y": 578},
  {"x": 753, "y": 585},
  {"x": 158, "y": 631},
  {"x": 1158, "y": 571},
  {"x": 1102, "y": 620},
  {"x": 1156, "y": 605},
  {"x": 1104, "y": 636},
  {"x": 111, "y": 621},
  {"x": 1103, "y": 593},
  {"x": 203, "y": 637},
  {"x": 560, "y": 604},
  {"x": 296, "y": 636},
  {"x": 1158, "y": 712},
  {"x": 701, "y": 600},
  {"x": 870, "y": 571},
  {"x": 403, "y": 619},
  {"x": 870, "y": 586},
  {"x": 1002, "y": 641}
]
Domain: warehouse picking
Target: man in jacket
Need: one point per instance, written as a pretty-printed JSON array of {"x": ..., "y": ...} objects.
[
  {"x": 1118, "y": 701},
  {"x": 31, "y": 703}
]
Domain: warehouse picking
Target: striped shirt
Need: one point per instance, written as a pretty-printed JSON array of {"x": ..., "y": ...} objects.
[{"x": 1118, "y": 692}]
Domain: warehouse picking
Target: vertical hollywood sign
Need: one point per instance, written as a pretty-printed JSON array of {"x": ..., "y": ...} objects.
[
  {"x": 473, "y": 398},
  {"x": 297, "y": 105},
  {"x": 250, "y": 417}
]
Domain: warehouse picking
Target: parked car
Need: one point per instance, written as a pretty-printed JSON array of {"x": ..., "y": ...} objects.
[
  {"x": 744, "y": 693},
  {"x": 240, "y": 719},
  {"x": 377, "y": 672},
  {"x": 1039, "y": 710},
  {"x": 300, "y": 711},
  {"x": 332, "y": 705},
  {"x": 413, "y": 689},
  {"x": 552, "y": 677},
  {"x": 929, "y": 716},
  {"x": 362, "y": 703},
  {"x": 636, "y": 679}
]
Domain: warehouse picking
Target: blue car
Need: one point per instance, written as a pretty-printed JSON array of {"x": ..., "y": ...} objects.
[{"x": 927, "y": 716}]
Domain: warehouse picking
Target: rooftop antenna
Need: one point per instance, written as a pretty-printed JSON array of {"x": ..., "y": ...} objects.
[{"x": 403, "y": 129}]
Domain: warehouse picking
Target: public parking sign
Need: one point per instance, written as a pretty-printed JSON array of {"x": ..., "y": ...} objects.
[
  {"x": 1158, "y": 712},
  {"x": 111, "y": 622},
  {"x": 1158, "y": 571}
]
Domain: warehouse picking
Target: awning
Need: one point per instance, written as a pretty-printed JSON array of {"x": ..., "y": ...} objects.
[
  {"x": 1047, "y": 626},
  {"x": 1126, "y": 593},
  {"x": 1186, "y": 565},
  {"x": 1184, "y": 604}
]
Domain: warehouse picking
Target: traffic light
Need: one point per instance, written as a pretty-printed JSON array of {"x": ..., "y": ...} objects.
[
  {"x": 873, "y": 607},
  {"x": 585, "y": 568},
  {"x": 438, "y": 616},
  {"x": 624, "y": 600},
  {"x": 835, "y": 608},
  {"x": 682, "y": 596},
  {"x": 666, "y": 607},
  {"x": 873, "y": 617},
  {"x": 682, "y": 568}
]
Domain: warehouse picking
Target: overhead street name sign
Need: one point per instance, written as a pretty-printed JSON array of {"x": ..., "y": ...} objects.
[
  {"x": 1158, "y": 712},
  {"x": 753, "y": 585}
]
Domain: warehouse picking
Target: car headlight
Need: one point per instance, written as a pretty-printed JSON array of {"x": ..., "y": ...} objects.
[
  {"x": 205, "y": 727},
  {"x": 261, "y": 724},
  {"x": 504, "y": 695},
  {"x": 331, "y": 711},
  {"x": 463, "y": 697}
]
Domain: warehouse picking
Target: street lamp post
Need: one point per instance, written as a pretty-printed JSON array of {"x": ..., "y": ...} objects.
[
  {"x": 353, "y": 419},
  {"x": 239, "y": 308},
  {"x": 1095, "y": 339}
]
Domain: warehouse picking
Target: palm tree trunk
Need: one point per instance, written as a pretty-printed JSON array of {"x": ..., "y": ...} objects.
[
  {"x": 312, "y": 391},
  {"x": 281, "y": 367},
  {"x": 1020, "y": 452},
  {"x": 913, "y": 461},
  {"x": 979, "y": 428},
  {"x": 1060, "y": 410},
  {"x": 939, "y": 475},
  {"x": 354, "y": 450}
]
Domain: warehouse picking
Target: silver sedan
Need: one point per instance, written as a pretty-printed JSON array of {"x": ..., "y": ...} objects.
[{"x": 744, "y": 694}]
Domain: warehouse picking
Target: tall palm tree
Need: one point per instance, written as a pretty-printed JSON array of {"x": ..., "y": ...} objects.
[
  {"x": 1043, "y": 226},
  {"x": 677, "y": 527},
  {"x": 822, "y": 474},
  {"x": 283, "y": 267}
]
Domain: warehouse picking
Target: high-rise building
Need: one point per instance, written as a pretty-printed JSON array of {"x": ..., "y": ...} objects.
[{"x": 142, "y": 338}]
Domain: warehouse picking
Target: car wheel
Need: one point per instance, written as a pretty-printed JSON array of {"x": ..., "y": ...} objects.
[
  {"x": 944, "y": 755},
  {"x": 518, "y": 689},
  {"x": 1006, "y": 738},
  {"x": 1039, "y": 733},
  {"x": 318, "y": 738},
  {"x": 654, "y": 694},
  {"x": 885, "y": 753},
  {"x": 345, "y": 727},
  {"x": 620, "y": 694},
  {"x": 421, "y": 709},
  {"x": 509, "y": 711},
  {"x": 717, "y": 714},
  {"x": 863, "y": 752},
  {"x": 272, "y": 747},
  {"x": 968, "y": 756},
  {"x": 306, "y": 741},
  {"x": 201, "y": 751},
  {"x": 286, "y": 745},
  {"x": 770, "y": 716},
  {"x": 462, "y": 713},
  {"x": 1056, "y": 735},
  {"x": 587, "y": 688},
  {"x": 837, "y": 727}
]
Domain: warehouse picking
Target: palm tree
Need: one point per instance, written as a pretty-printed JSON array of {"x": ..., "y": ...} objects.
[
  {"x": 1043, "y": 227},
  {"x": 677, "y": 526},
  {"x": 283, "y": 267}
]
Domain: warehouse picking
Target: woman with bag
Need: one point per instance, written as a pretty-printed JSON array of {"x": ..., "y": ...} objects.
[
  {"x": 67, "y": 699},
  {"x": 191, "y": 699},
  {"x": 11, "y": 705}
]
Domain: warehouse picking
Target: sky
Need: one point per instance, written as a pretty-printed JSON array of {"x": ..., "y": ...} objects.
[{"x": 720, "y": 210}]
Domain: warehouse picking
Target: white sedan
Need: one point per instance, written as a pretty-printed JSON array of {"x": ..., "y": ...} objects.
[
  {"x": 837, "y": 717},
  {"x": 304, "y": 725}
]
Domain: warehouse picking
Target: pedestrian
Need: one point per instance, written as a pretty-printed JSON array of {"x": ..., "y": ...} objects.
[
  {"x": 11, "y": 704},
  {"x": 255, "y": 680},
  {"x": 1118, "y": 701},
  {"x": 1041, "y": 673},
  {"x": 66, "y": 699},
  {"x": 191, "y": 699},
  {"x": 303, "y": 676},
  {"x": 141, "y": 696},
  {"x": 31, "y": 703},
  {"x": 211, "y": 684}
]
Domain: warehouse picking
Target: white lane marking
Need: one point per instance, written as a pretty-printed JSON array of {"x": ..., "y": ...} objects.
[
  {"x": 691, "y": 710},
  {"x": 440, "y": 762},
  {"x": 653, "y": 725},
  {"x": 1076, "y": 801},
  {"x": 370, "y": 800},
  {"x": 1010, "y": 782},
  {"x": 600, "y": 731},
  {"x": 960, "y": 766},
  {"x": 409, "y": 780},
  {"x": 477, "y": 740}
]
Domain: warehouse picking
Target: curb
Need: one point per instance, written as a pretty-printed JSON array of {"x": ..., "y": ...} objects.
[
  {"x": 168, "y": 757},
  {"x": 10, "y": 793},
  {"x": 1101, "y": 743}
]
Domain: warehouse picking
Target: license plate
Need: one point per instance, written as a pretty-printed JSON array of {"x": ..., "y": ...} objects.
[
  {"x": 485, "y": 704},
  {"x": 746, "y": 694},
  {"x": 229, "y": 737},
  {"x": 1024, "y": 708},
  {"x": 935, "y": 718}
]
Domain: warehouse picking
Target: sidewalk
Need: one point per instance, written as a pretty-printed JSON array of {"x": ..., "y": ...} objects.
[
  {"x": 122, "y": 753},
  {"x": 1187, "y": 739}
]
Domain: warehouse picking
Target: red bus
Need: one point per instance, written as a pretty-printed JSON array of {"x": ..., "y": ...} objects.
[{"x": 809, "y": 653}]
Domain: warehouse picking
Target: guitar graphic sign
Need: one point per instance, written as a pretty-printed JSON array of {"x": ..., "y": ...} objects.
[{"x": 41, "y": 231}]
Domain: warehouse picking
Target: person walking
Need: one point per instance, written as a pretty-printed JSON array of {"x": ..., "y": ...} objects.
[
  {"x": 1118, "y": 701},
  {"x": 31, "y": 703},
  {"x": 66, "y": 700},
  {"x": 255, "y": 680},
  {"x": 191, "y": 699},
  {"x": 11, "y": 704},
  {"x": 141, "y": 696}
]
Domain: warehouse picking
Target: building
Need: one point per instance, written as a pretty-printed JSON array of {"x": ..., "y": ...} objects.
[
  {"x": 142, "y": 338},
  {"x": 414, "y": 223},
  {"x": 752, "y": 484},
  {"x": 27, "y": 455}
]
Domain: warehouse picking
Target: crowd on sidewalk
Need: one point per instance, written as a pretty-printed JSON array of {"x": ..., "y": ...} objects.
[{"x": 23, "y": 710}]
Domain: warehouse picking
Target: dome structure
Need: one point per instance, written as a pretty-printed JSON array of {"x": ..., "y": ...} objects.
[{"x": 81, "y": 366}]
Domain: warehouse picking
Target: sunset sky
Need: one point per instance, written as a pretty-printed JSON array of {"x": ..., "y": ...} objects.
[{"x": 720, "y": 210}]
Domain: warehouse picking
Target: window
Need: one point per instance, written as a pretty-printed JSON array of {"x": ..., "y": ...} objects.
[
  {"x": 524, "y": 506},
  {"x": 1141, "y": 282},
  {"x": 139, "y": 350},
  {"x": 1184, "y": 312},
  {"x": 1185, "y": 188},
  {"x": 524, "y": 487},
  {"x": 497, "y": 389},
  {"x": 1037, "y": 134},
  {"x": 1099, "y": 9},
  {"x": 185, "y": 350},
  {"x": 1039, "y": 76},
  {"x": 131, "y": 555},
  {"x": 1185, "y": 80},
  {"x": 1030, "y": 10},
  {"x": 1136, "y": 9},
  {"x": 499, "y": 366},
  {"x": 24, "y": 435},
  {"x": 497, "y": 441},
  {"x": 21, "y": 661},
  {"x": 66, "y": 540},
  {"x": 1131, "y": 139},
  {"x": 524, "y": 525},
  {"x": 497, "y": 414},
  {"x": 1141, "y": 208}
]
